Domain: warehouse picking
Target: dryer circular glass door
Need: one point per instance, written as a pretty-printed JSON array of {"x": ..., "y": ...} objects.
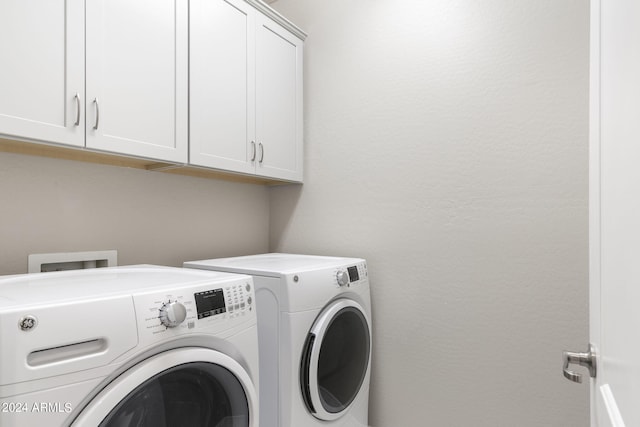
[
  {"x": 335, "y": 360},
  {"x": 182, "y": 387}
]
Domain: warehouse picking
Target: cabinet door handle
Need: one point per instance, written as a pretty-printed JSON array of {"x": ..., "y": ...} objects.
[
  {"x": 261, "y": 152},
  {"x": 253, "y": 146},
  {"x": 95, "y": 101},
  {"x": 77, "y": 98}
]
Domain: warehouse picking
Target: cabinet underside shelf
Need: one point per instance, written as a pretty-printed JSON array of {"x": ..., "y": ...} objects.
[{"x": 84, "y": 155}]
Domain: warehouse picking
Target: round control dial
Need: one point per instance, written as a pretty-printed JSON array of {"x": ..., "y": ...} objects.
[
  {"x": 172, "y": 314},
  {"x": 342, "y": 277}
]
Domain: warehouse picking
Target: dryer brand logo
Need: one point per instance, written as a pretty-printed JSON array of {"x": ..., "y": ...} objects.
[{"x": 27, "y": 323}]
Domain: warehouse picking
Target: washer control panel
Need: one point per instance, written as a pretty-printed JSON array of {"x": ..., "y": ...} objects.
[{"x": 205, "y": 308}]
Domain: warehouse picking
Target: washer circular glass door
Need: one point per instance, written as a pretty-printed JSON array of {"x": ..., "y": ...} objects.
[
  {"x": 335, "y": 360},
  {"x": 182, "y": 387}
]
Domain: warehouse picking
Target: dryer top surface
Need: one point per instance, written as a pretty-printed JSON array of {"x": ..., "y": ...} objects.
[{"x": 273, "y": 264}]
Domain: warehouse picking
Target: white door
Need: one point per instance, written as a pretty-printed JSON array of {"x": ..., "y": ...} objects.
[
  {"x": 42, "y": 51},
  {"x": 136, "y": 68},
  {"x": 278, "y": 101},
  {"x": 222, "y": 85},
  {"x": 615, "y": 211}
]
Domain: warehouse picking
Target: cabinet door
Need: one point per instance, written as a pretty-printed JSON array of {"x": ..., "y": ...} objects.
[
  {"x": 42, "y": 51},
  {"x": 136, "y": 74},
  {"x": 278, "y": 101},
  {"x": 222, "y": 85}
]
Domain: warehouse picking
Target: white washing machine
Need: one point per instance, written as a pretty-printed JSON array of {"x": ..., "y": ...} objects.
[
  {"x": 314, "y": 329},
  {"x": 128, "y": 346}
]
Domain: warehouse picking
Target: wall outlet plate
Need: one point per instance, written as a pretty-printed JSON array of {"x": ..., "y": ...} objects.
[{"x": 59, "y": 261}]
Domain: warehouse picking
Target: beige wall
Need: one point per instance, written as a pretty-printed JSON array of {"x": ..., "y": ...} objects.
[
  {"x": 51, "y": 205},
  {"x": 446, "y": 142}
]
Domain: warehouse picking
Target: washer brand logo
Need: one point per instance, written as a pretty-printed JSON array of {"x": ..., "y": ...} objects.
[{"x": 27, "y": 323}]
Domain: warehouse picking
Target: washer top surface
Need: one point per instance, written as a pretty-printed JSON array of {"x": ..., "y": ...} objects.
[
  {"x": 273, "y": 264},
  {"x": 62, "y": 286}
]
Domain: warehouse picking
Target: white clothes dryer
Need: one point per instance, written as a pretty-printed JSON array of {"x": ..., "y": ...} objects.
[
  {"x": 314, "y": 330},
  {"x": 128, "y": 346}
]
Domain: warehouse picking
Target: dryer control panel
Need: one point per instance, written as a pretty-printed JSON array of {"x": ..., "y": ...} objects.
[
  {"x": 352, "y": 274},
  {"x": 211, "y": 308}
]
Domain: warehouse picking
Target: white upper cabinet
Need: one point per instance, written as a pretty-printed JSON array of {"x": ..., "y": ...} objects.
[
  {"x": 245, "y": 91},
  {"x": 209, "y": 83},
  {"x": 137, "y": 77},
  {"x": 222, "y": 80},
  {"x": 42, "y": 51},
  {"x": 278, "y": 102}
]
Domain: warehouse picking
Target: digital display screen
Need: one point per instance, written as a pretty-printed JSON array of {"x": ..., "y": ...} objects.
[
  {"x": 210, "y": 303},
  {"x": 353, "y": 274}
]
